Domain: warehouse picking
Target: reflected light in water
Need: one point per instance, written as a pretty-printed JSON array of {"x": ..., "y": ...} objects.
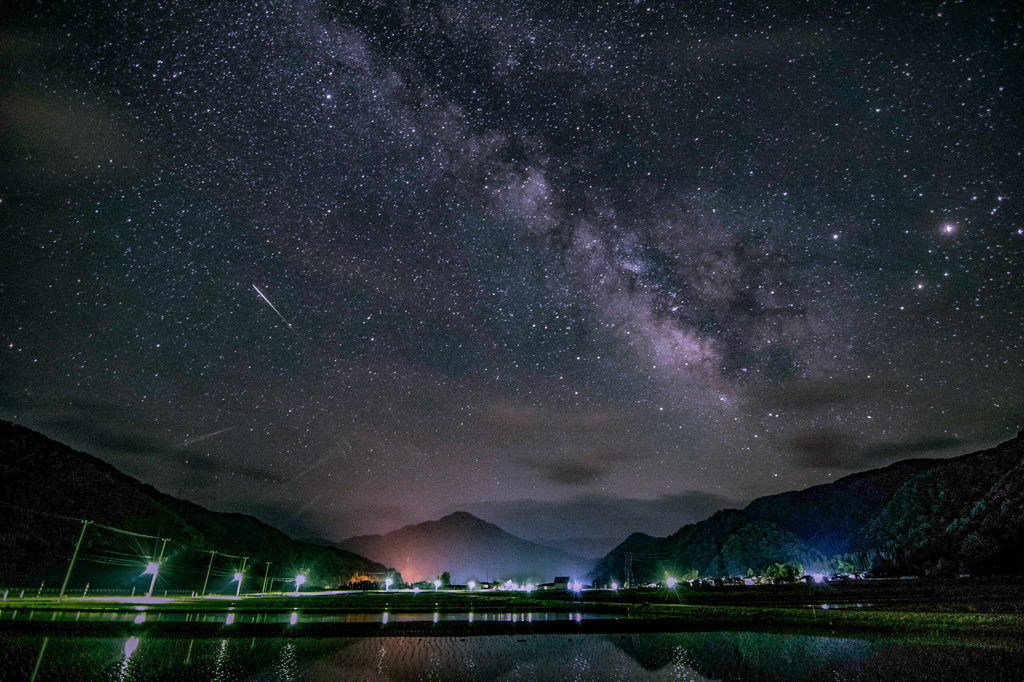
[
  {"x": 140, "y": 619},
  {"x": 130, "y": 646},
  {"x": 384, "y": 619},
  {"x": 230, "y": 619},
  {"x": 294, "y": 618}
]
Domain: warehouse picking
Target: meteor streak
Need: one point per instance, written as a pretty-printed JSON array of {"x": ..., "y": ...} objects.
[
  {"x": 272, "y": 306},
  {"x": 203, "y": 437}
]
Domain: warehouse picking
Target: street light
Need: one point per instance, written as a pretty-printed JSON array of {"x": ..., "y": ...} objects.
[
  {"x": 472, "y": 585},
  {"x": 300, "y": 580},
  {"x": 670, "y": 582},
  {"x": 437, "y": 585},
  {"x": 387, "y": 583},
  {"x": 154, "y": 567}
]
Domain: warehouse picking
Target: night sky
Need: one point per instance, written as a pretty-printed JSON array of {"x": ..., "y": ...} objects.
[{"x": 580, "y": 271}]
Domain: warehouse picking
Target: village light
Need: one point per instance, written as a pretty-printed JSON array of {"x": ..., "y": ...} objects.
[
  {"x": 437, "y": 585},
  {"x": 670, "y": 582},
  {"x": 615, "y": 587},
  {"x": 300, "y": 580},
  {"x": 472, "y": 585},
  {"x": 387, "y": 583}
]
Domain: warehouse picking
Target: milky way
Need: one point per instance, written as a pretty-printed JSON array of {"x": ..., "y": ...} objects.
[{"x": 580, "y": 271}]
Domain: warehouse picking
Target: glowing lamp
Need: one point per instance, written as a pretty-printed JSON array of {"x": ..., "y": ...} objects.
[
  {"x": 615, "y": 587},
  {"x": 152, "y": 567},
  {"x": 388, "y": 582},
  {"x": 238, "y": 577},
  {"x": 670, "y": 582},
  {"x": 472, "y": 585},
  {"x": 300, "y": 580},
  {"x": 437, "y": 584}
]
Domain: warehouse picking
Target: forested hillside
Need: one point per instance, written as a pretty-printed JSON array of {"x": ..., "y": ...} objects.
[
  {"x": 47, "y": 488},
  {"x": 964, "y": 514}
]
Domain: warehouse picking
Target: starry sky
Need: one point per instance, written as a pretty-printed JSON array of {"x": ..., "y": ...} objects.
[{"x": 581, "y": 270}]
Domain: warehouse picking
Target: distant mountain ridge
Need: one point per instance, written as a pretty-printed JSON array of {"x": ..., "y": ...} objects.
[
  {"x": 468, "y": 548},
  {"x": 42, "y": 480},
  {"x": 964, "y": 514}
]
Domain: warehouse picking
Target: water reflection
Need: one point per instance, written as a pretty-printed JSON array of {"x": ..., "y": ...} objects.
[
  {"x": 129, "y": 648},
  {"x": 628, "y": 657}
]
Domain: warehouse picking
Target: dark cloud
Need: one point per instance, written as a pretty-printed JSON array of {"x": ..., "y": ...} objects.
[
  {"x": 101, "y": 435},
  {"x": 823, "y": 449},
  {"x": 883, "y": 452},
  {"x": 599, "y": 516},
  {"x": 589, "y": 467},
  {"x": 572, "y": 473}
]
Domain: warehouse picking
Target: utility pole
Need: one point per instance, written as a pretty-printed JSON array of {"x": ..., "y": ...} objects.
[
  {"x": 212, "y": 554},
  {"x": 85, "y": 524},
  {"x": 265, "y": 574},
  {"x": 241, "y": 576},
  {"x": 157, "y": 569}
]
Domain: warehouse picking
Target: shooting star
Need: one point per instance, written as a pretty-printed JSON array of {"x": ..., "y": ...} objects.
[
  {"x": 272, "y": 306},
  {"x": 202, "y": 438}
]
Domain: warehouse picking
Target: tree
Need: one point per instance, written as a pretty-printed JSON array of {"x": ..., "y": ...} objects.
[{"x": 446, "y": 579}]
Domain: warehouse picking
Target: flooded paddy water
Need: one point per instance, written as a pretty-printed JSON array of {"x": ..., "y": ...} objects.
[{"x": 690, "y": 656}]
